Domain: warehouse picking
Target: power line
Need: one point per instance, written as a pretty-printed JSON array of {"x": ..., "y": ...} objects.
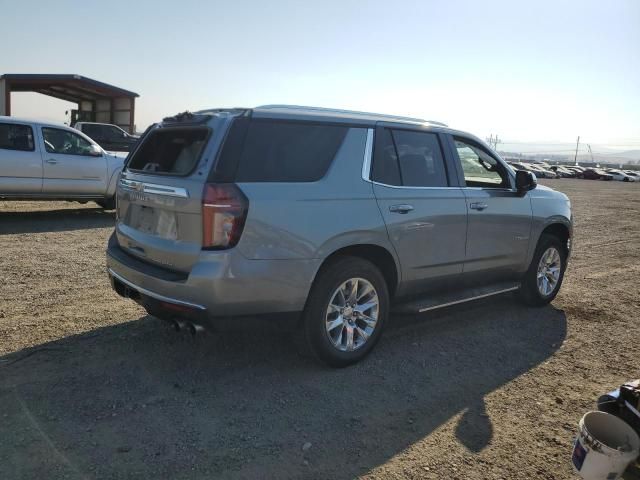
[{"x": 630, "y": 144}]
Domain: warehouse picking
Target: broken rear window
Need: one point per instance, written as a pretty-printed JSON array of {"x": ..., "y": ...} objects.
[{"x": 174, "y": 151}]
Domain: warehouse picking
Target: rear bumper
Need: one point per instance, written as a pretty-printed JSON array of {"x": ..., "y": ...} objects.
[
  {"x": 158, "y": 305},
  {"x": 220, "y": 284}
]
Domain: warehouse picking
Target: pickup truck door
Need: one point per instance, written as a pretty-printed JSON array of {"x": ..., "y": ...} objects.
[
  {"x": 20, "y": 160},
  {"x": 69, "y": 166},
  {"x": 424, "y": 212},
  {"x": 500, "y": 218}
]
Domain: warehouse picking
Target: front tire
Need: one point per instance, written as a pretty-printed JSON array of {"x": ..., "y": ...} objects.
[
  {"x": 544, "y": 277},
  {"x": 346, "y": 311}
]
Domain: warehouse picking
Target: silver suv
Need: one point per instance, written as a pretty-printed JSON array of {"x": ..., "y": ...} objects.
[{"x": 337, "y": 217}]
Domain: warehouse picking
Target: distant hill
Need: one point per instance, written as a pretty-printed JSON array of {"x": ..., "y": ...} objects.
[{"x": 629, "y": 155}]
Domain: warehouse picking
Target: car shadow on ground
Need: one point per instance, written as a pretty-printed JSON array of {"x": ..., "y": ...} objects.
[
  {"x": 137, "y": 400},
  {"x": 60, "y": 220}
]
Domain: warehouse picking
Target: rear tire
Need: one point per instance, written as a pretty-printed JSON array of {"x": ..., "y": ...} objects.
[
  {"x": 107, "y": 203},
  {"x": 346, "y": 311},
  {"x": 543, "y": 279}
]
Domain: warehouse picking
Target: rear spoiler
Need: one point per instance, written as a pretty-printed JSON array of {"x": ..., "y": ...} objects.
[
  {"x": 203, "y": 116},
  {"x": 187, "y": 118}
]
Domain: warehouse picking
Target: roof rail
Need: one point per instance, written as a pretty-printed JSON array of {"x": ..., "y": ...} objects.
[{"x": 352, "y": 112}]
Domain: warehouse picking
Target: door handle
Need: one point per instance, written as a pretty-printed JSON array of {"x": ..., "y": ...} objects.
[
  {"x": 52, "y": 161},
  {"x": 402, "y": 208},
  {"x": 478, "y": 206}
]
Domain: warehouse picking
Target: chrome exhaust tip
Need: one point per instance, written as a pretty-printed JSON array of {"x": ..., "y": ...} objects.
[
  {"x": 179, "y": 325},
  {"x": 195, "y": 329}
]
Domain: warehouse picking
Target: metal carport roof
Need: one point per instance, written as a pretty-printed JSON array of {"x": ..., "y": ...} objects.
[{"x": 69, "y": 87}]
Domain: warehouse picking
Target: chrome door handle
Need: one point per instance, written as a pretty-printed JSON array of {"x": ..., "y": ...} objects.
[
  {"x": 402, "y": 208},
  {"x": 478, "y": 206},
  {"x": 52, "y": 161}
]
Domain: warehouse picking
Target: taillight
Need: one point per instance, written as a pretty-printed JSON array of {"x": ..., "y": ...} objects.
[{"x": 224, "y": 211}]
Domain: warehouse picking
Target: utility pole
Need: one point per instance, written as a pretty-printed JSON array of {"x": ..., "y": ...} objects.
[
  {"x": 493, "y": 142},
  {"x": 590, "y": 152},
  {"x": 575, "y": 158}
]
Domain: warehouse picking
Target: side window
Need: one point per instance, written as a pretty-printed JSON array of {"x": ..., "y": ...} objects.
[
  {"x": 93, "y": 131},
  {"x": 16, "y": 137},
  {"x": 113, "y": 133},
  {"x": 480, "y": 169},
  {"x": 385, "y": 163},
  {"x": 288, "y": 152},
  {"x": 410, "y": 159},
  {"x": 64, "y": 142}
]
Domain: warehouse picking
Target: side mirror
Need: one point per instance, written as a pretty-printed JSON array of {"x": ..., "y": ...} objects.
[
  {"x": 525, "y": 181},
  {"x": 95, "y": 151}
]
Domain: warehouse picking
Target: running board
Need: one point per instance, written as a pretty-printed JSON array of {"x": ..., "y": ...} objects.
[{"x": 441, "y": 300}]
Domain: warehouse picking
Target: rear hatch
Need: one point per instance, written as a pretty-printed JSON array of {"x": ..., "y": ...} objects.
[{"x": 159, "y": 206}]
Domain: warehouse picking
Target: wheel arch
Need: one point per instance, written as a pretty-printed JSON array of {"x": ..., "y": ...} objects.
[
  {"x": 376, "y": 254},
  {"x": 113, "y": 181},
  {"x": 560, "y": 230}
]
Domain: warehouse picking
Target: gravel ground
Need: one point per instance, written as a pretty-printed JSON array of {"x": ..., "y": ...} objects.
[{"x": 91, "y": 387}]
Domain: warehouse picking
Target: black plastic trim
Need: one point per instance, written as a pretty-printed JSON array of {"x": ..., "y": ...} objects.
[{"x": 120, "y": 255}]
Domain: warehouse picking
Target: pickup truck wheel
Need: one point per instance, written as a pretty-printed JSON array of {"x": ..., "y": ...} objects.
[
  {"x": 107, "y": 203},
  {"x": 542, "y": 281},
  {"x": 346, "y": 311}
]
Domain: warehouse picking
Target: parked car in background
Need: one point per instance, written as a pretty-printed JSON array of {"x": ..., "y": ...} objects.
[
  {"x": 110, "y": 137},
  {"x": 595, "y": 174},
  {"x": 543, "y": 165},
  {"x": 528, "y": 167},
  {"x": 562, "y": 171},
  {"x": 334, "y": 218},
  {"x": 518, "y": 166},
  {"x": 633, "y": 174},
  {"x": 575, "y": 168},
  {"x": 620, "y": 176},
  {"x": 540, "y": 172},
  {"x": 42, "y": 161}
]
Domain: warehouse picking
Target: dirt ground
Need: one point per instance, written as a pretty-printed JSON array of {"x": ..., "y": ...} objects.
[{"x": 90, "y": 387}]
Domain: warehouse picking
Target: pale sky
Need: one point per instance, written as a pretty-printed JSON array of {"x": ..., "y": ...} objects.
[{"x": 543, "y": 71}]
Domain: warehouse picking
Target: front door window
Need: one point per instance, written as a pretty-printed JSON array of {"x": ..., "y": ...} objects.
[
  {"x": 480, "y": 169},
  {"x": 65, "y": 142}
]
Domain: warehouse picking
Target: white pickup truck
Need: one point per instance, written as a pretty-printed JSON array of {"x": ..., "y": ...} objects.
[{"x": 42, "y": 161}]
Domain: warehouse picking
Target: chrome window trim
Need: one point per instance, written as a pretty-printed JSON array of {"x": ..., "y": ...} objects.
[
  {"x": 154, "y": 188},
  {"x": 404, "y": 187},
  {"x": 368, "y": 154},
  {"x": 501, "y": 189}
]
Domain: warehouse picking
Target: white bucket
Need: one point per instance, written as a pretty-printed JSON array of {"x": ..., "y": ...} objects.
[{"x": 605, "y": 447}]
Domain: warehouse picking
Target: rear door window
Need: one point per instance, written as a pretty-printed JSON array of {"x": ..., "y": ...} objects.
[
  {"x": 410, "y": 159},
  {"x": 174, "y": 151},
  {"x": 16, "y": 137},
  {"x": 288, "y": 152}
]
